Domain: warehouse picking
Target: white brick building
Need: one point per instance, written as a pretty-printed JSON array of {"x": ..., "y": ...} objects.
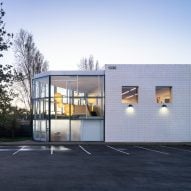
[
  {"x": 135, "y": 103},
  {"x": 148, "y": 123}
]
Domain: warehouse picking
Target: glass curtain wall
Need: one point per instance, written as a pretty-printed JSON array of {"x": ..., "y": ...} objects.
[
  {"x": 77, "y": 108},
  {"x": 40, "y": 101}
]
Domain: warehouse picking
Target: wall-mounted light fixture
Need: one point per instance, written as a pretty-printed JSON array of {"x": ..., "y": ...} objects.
[
  {"x": 130, "y": 106},
  {"x": 130, "y": 109},
  {"x": 164, "y": 109},
  {"x": 164, "y": 105}
]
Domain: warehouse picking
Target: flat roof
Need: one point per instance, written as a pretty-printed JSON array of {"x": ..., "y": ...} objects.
[
  {"x": 184, "y": 68},
  {"x": 70, "y": 72}
]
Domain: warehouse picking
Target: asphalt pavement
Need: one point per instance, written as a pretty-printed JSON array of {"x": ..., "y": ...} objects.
[{"x": 95, "y": 167}]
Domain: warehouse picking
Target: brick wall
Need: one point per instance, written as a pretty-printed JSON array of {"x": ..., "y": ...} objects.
[{"x": 147, "y": 123}]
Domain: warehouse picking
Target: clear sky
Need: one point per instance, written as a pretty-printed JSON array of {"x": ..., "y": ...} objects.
[{"x": 113, "y": 31}]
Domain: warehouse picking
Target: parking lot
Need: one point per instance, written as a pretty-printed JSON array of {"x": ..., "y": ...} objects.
[{"x": 95, "y": 167}]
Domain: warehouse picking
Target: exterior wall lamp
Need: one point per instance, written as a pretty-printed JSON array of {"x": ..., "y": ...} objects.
[
  {"x": 130, "y": 110},
  {"x": 164, "y": 105},
  {"x": 164, "y": 109}
]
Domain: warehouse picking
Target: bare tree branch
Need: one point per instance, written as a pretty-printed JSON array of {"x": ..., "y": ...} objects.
[
  {"x": 88, "y": 64},
  {"x": 29, "y": 61}
]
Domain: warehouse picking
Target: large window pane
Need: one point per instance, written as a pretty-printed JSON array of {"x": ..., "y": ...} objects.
[
  {"x": 79, "y": 108},
  {"x": 65, "y": 85},
  {"x": 76, "y": 126},
  {"x": 61, "y": 107},
  {"x": 76, "y": 105},
  {"x": 92, "y": 130},
  {"x": 74, "y": 86},
  {"x": 40, "y": 130},
  {"x": 96, "y": 106},
  {"x": 40, "y": 87},
  {"x": 129, "y": 94},
  {"x": 40, "y": 109},
  {"x": 87, "y": 107},
  {"x": 91, "y": 86},
  {"x": 59, "y": 130},
  {"x": 163, "y": 94}
]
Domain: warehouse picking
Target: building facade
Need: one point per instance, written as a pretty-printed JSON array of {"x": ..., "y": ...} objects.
[
  {"x": 68, "y": 106},
  {"x": 123, "y": 103}
]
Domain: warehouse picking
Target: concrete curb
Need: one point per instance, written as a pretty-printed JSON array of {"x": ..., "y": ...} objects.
[{"x": 37, "y": 143}]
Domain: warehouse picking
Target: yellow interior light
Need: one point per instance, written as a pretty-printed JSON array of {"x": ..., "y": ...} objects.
[
  {"x": 68, "y": 109},
  {"x": 58, "y": 99},
  {"x": 92, "y": 101}
]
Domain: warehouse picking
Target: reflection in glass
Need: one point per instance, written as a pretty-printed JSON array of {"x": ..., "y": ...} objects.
[
  {"x": 74, "y": 86},
  {"x": 40, "y": 87},
  {"x": 39, "y": 130},
  {"x": 76, "y": 106},
  {"x": 59, "y": 130},
  {"x": 65, "y": 85},
  {"x": 40, "y": 102},
  {"x": 76, "y": 130}
]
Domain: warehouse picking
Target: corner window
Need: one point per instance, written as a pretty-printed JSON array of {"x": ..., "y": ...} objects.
[
  {"x": 163, "y": 94},
  {"x": 129, "y": 94}
]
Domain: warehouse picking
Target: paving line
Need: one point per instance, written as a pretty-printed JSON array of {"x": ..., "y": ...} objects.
[
  {"x": 178, "y": 149},
  {"x": 1, "y": 150},
  {"x": 19, "y": 150},
  {"x": 51, "y": 150},
  {"x": 87, "y": 152},
  {"x": 165, "y": 153},
  {"x": 118, "y": 150}
]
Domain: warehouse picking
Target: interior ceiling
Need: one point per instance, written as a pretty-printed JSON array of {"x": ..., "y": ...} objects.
[{"x": 85, "y": 84}]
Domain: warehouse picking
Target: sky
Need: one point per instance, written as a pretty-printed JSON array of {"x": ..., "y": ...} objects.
[{"x": 113, "y": 31}]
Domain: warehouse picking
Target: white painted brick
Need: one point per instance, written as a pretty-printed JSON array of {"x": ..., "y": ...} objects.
[{"x": 147, "y": 124}]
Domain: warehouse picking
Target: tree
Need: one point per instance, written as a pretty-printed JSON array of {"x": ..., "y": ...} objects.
[
  {"x": 5, "y": 38},
  {"x": 29, "y": 61},
  {"x": 6, "y": 93},
  {"x": 6, "y": 75},
  {"x": 88, "y": 64}
]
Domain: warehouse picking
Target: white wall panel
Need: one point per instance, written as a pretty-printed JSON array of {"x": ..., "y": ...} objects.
[{"x": 147, "y": 123}]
